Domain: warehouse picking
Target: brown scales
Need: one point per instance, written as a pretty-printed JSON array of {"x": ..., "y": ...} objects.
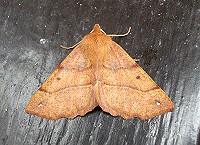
[{"x": 99, "y": 72}]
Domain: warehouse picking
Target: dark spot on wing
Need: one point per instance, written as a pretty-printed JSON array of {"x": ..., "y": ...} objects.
[{"x": 137, "y": 77}]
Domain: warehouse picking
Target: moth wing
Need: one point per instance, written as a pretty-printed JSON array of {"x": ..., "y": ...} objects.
[
  {"x": 127, "y": 90},
  {"x": 68, "y": 91}
]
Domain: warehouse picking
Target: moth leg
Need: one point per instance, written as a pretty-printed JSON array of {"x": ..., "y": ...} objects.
[{"x": 136, "y": 60}]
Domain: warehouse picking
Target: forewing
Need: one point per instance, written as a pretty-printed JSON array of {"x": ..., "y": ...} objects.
[
  {"x": 127, "y": 90},
  {"x": 68, "y": 91}
]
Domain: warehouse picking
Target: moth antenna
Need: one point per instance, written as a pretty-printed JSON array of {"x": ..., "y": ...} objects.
[
  {"x": 65, "y": 47},
  {"x": 120, "y": 35}
]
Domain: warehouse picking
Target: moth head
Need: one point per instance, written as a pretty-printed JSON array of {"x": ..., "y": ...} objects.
[{"x": 97, "y": 29}]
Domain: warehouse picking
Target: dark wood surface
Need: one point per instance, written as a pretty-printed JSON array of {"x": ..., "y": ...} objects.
[{"x": 165, "y": 37}]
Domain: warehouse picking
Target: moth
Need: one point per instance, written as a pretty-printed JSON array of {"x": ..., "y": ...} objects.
[{"x": 99, "y": 72}]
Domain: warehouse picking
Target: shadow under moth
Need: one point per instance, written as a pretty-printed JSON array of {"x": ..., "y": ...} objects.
[{"x": 99, "y": 72}]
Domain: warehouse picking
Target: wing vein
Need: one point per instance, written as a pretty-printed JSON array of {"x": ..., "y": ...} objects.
[
  {"x": 132, "y": 88},
  {"x": 68, "y": 87}
]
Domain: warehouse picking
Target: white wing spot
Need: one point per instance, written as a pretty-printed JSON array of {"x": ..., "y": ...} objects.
[
  {"x": 40, "y": 104},
  {"x": 158, "y": 103}
]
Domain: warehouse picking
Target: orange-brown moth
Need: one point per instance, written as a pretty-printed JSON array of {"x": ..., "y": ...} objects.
[{"x": 99, "y": 72}]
